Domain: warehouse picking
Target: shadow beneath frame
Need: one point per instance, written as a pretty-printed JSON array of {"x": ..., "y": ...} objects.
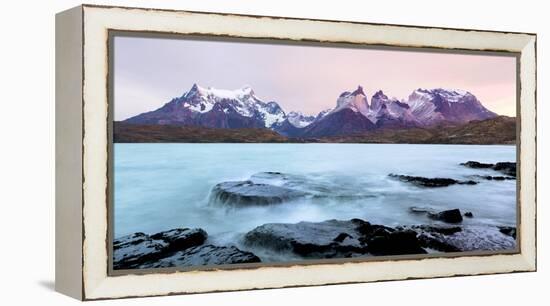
[{"x": 47, "y": 284}]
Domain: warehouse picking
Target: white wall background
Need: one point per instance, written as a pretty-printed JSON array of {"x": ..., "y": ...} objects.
[{"x": 27, "y": 152}]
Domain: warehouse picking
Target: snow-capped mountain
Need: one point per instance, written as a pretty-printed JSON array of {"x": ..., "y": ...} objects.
[
  {"x": 350, "y": 116},
  {"x": 299, "y": 120},
  {"x": 390, "y": 112},
  {"x": 381, "y": 111},
  {"x": 216, "y": 108},
  {"x": 356, "y": 101},
  {"x": 342, "y": 122},
  {"x": 423, "y": 108},
  {"x": 323, "y": 113},
  {"x": 293, "y": 125},
  {"x": 241, "y": 108},
  {"x": 438, "y": 105}
]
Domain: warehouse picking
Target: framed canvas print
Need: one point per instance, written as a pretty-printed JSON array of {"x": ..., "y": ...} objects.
[{"x": 201, "y": 152}]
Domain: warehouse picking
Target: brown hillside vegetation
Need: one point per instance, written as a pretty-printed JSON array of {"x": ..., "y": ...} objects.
[
  {"x": 499, "y": 130},
  {"x": 124, "y": 132}
]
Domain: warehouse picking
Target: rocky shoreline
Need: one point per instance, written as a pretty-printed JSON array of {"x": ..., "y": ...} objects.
[{"x": 443, "y": 232}]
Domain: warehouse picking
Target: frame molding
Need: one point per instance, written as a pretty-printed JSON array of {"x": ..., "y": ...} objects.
[{"x": 91, "y": 279}]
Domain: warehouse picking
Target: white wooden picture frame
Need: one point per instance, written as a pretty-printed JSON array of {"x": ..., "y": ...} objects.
[{"x": 83, "y": 141}]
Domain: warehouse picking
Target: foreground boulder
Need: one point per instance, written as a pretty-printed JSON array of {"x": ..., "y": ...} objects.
[
  {"x": 508, "y": 168},
  {"x": 246, "y": 193},
  {"x": 326, "y": 239},
  {"x": 430, "y": 182},
  {"x": 333, "y": 238},
  {"x": 354, "y": 238},
  {"x": 133, "y": 250},
  {"x": 397, "y": 242},
  {"x": 204, "y": 255},
  {"x": 463, "y": 239},
  {"x": 176, "y": 247},
  {"x": 181, "y": 238}
]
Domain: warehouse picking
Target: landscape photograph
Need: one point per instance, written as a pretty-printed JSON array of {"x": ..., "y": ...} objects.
[{"x": 255, "y": 152}]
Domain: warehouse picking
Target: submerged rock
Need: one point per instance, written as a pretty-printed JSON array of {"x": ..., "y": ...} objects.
[
  {"x": 245, "y": 193},
  {"x": 508, "y": 168},
  {"x": 204, "y": 255},
  {"x": 421, "y": 210},
  {"x": 495, "y": 178},
  {"x": 272, "y": 177},
  {"x": 476, "y": 165},
  {"x": 266, "y": 188},
  {"x": 430, "y": 182},
  {"x": 468, "y": 214}
]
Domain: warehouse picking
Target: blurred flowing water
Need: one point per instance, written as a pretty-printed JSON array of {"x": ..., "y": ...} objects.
[{"x": 164, "y": 186}]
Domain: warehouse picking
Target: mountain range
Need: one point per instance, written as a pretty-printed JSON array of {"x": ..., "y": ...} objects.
[{"x": 353, "y": 113}]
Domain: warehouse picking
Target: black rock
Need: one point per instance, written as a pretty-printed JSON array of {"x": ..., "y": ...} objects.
[
  {"x": 468, "y": 214},
  {"x": 368, "y": 230},
  {"x": 341, "y": 237},
  {"x": 462, "y": 239},
  {"x": 333, "y": 238},
  {"x": 395, "y": 243},
  {"x": 204, "y": 255},
  {"x": 133, "y": 250},
  {"x": 181, "y": 239},
  {"x": 476, "y": 165},
  {"x": 174, "y": 248},
  {"x": 508, "y": 230},
  {"x": 246, "y": 193},
  {"x": 495, "y": 178},
  {"x": 449, "y": 216},
  {"x": 421, "y": 210},
  {"x": 430, "y": 182},
  {"x": 444, "y": 230},
  {"x": 430, "y": 242},
  {"x": 327, "y": 239},
  {"x": 508, "y": 168}
]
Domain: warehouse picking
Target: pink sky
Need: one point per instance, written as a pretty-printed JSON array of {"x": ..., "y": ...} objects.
[{"x": 149, "y": 72}]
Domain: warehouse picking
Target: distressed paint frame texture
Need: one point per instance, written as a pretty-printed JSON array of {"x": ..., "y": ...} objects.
[{"x": 86, "y": 274}]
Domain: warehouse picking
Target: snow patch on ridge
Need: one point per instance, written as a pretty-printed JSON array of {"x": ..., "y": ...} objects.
[{"x": 299, "y": 120}]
